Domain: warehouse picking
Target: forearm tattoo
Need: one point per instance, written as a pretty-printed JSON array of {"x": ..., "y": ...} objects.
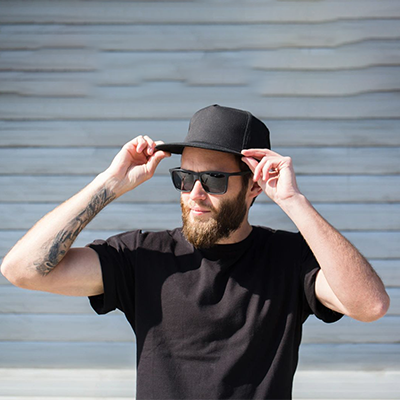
[{"x": 56, "y": 249}]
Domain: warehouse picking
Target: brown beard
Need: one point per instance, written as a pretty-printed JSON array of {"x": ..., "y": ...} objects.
[{"x": 222, "y": 222}]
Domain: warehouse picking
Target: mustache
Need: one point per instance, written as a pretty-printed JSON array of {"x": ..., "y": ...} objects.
[{"x": 198, "y": 204}]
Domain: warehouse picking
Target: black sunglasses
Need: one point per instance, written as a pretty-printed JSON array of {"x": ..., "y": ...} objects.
[{"x": 213, "y": 182}]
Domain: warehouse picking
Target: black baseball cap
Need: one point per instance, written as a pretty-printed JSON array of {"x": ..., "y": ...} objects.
[{"x": 225, "y": 129}]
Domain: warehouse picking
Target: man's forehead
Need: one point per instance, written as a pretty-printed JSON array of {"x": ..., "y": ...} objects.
[
  {"x": 207, "y": 159},
  {"x": 205, "y": 154}
]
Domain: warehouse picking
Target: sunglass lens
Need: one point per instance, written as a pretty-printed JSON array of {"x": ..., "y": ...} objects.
[
  {"x": 176, "y": 180},
  {"x": 182, "y": 180},
  {"x": 213, "y": 183},
  {"x": 187, "y": 181}
]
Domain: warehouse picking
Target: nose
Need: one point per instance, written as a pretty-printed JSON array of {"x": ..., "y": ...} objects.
[{"x": 198, "y": 192}]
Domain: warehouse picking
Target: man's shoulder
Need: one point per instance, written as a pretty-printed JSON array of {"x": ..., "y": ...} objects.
[
  {"x": 279, "y": 241},
  {"x": 152, "y": 240},
  {"x": 265, "y": 231}
]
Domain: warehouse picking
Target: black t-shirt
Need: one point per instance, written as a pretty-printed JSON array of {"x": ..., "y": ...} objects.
[{"x": 222, "y": 323}]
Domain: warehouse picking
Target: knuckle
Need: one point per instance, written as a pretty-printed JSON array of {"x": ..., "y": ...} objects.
[{"x": 128, "y": 145}]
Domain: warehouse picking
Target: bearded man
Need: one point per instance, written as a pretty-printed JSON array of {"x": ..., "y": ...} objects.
[{"x": 217, "y": 305}]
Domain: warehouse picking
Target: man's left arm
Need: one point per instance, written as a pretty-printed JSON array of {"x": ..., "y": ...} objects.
[{"x": 346, "y": 282}]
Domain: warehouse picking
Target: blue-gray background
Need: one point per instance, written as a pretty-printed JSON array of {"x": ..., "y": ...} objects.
[{"x": 80, "y": 78}]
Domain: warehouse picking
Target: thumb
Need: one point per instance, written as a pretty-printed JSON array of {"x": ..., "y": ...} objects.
[{"x": 156, "y": 157}]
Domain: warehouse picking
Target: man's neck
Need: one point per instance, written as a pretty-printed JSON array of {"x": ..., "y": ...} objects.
[{"x": 240, "y": 234}]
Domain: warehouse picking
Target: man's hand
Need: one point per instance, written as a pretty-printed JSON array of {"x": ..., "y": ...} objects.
[
  {"x": 346, "y": 282},
  {"x": 134, "y": 164},
  {"x": 274, "y": 173},
  {"x": 43, "y": 258}
]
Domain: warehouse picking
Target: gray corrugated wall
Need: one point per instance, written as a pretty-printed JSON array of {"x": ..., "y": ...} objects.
[{"x": 80, "y": 78}]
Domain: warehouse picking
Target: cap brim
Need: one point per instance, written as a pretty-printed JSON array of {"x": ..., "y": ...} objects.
[{"x": 177, "y": 148}]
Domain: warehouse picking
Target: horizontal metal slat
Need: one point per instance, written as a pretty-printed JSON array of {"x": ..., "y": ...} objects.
[
  {"x": 269, "y": 83},
  {"x": 284, "y": 133},
  {"x": 307, "y": 160},
  {"x": 14, "y": 300},
  {"x": 196, "y": 13},
  {"x": 319, "y": 189},
  {"x": 382, "y": 246},
  {"x": 155, "y": 216},
  {"x": 115, "y": 328},
  {"x": 196, "y": 37}
]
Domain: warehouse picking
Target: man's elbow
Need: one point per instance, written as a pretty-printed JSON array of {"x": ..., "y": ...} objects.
[
  {"x": 13, "y": 274},
  {"x": 382, "y": 307},
  {"x": 376, "y": 310},
  {"x": 7, "y": 271}
]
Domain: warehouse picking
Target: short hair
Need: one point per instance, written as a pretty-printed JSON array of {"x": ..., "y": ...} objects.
[{"x": 246, "y": 177}]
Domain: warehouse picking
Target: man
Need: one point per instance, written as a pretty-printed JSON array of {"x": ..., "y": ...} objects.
[{"x": 217, "y": 305}]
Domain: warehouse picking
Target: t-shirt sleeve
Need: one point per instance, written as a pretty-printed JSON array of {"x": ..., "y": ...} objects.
[
  {"x": 117, "y": 262},
  {"x": 310, "y": 268}
]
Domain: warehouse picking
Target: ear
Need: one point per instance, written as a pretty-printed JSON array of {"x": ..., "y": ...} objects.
[{"x": 255, "y": 189}]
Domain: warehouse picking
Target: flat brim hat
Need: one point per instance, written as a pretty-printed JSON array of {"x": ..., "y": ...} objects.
[{"x": 222, "y": 129}]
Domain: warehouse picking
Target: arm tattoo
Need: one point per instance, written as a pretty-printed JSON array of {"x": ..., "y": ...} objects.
[{"x": 58, "y": 247}]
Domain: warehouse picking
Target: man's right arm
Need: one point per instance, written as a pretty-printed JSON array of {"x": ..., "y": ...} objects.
[{"x": 43, "y": 258}]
